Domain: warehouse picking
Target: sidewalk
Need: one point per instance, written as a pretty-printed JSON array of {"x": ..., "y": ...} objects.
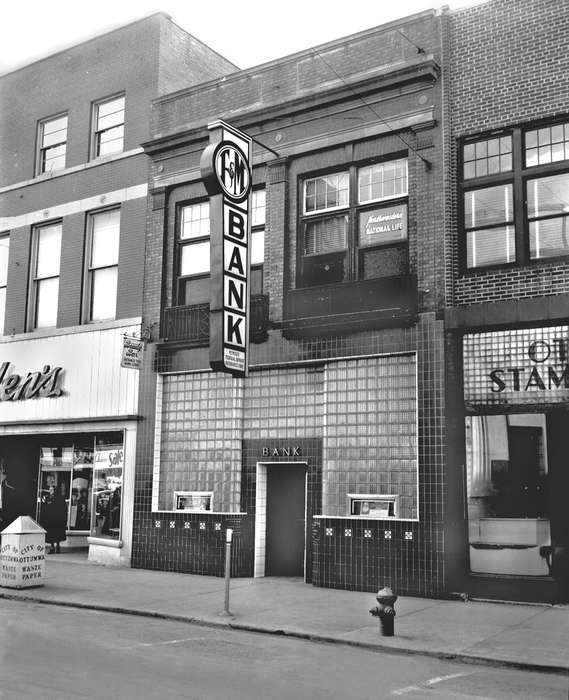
[{"x": 527, "y": 636}]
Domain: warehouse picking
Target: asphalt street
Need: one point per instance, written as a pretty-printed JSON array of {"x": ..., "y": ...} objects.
[{"x": 50, "y": 653}]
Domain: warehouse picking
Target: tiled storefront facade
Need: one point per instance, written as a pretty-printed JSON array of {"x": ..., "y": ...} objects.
[{"x": 344, "y": 402}]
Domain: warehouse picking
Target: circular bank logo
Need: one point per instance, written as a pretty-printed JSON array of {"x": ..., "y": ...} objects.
[{"x": 232, "y": 171}]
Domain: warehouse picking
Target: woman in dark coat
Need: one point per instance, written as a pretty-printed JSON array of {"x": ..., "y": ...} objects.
[{"x": 54, "y": 519}]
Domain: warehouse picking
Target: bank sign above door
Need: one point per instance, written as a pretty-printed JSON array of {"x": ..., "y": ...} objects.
[
  {"x": 226, "y": 173},
  {"x": 521, "y": 366}
]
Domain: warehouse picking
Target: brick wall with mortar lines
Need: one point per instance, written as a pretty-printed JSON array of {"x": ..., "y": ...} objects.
[
  {"x": 185, "y": 60},
  {"x": 66, "y": 82},
  {"x": 507, "y": 65},
  {"x": 298, "y": 75}
]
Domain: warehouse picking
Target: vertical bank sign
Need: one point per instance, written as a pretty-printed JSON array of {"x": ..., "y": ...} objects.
[{"x": 226, "y": 172}]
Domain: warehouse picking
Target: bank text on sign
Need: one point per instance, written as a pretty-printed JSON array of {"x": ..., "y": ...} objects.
[{"x": 227, "y": 177}]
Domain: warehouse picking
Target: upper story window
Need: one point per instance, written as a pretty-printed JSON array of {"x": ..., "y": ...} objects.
[
  {"x": 515, "y": 196},
  {"x": 52, "y": 144},
  {"x": 193, "y": 254},
  {"x": 354, "y": 224},
  {"x": 4, "y": 251},
  {"x": 102, "y": 268},
  {"x": 44, "y": 295},
  {"x": 108, "y": 122},
  {"x": 258, "y": 209},
  {"x": 193, "y": 250}
]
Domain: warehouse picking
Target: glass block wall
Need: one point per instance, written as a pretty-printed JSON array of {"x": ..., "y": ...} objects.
[
  {"x": 364, "y": 409},
  {"x": 201, "y": 436},
  {"x": 370, "y": 432}
]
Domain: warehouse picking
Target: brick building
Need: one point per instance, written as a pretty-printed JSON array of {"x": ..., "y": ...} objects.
[
  {"x": 327, "y": 461},
  {"x": 507, "y": 74},
  {"x": 73, "y": 199}
]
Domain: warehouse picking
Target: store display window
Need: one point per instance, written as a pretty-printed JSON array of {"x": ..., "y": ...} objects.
[{"x": 87, "y": 470}]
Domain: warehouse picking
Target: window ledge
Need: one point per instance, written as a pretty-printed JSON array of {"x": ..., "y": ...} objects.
[{"x": 104, "y": 542}]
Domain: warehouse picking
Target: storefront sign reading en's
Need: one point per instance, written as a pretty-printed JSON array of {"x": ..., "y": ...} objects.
[
  {"x": 528, "y": 365},
  {"x": 227, "y": 177},
  {"x": 16, "y": 387}
]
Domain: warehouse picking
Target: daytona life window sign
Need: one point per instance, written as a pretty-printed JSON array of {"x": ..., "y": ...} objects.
[
  {"x": 226, "y": 174},
  {"x": 520, "y": 366}
]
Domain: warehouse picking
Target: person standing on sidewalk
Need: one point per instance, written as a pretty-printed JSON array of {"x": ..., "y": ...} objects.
[
  {"x": 54, "y": 519},
  {"x": 7, "y": 497}
]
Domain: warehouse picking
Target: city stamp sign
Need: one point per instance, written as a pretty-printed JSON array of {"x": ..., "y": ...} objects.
[{"x": 226, "y": 172}]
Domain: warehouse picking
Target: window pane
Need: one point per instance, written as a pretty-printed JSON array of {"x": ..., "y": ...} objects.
[
  {"x": 53, "y": 159},
  {"x": 548, "y": 238},
  {"x": 487, "y": 157},
  {"x": 257, "y": 247},
  {"x": 326, "y": 235},
  {"x": 546, "y": 145},
  {"x": 548, "y": 196},
  {"x": 194, "y": 258},
  {"x": 110, "y": 141},
  {"x": 4, "y": 250},
  {"x": 383, "y": 180},
  {"x": 49, "y": 251},
  {"x": 195, "y": 221},
  {"x": 507, "y": 466},
  {"x": 258, "y": 208},
  {"x": 379, "y": 226},
  {"x": 46, "y": 302},
  {"x": 104, "y": 293},
  {"x": 59, "y": 124},
  {"x": 105, "y": 243},
  {"x": 490, "y": 247},
  {"x": 327, "y": 192},
  {"x": 114, "y": 119},
  {"x": 2, "y": 309},
  {"x": 491, "y": 205},
  {"x": 111, "y": 106},
  {"x": 53, "y": 137}
]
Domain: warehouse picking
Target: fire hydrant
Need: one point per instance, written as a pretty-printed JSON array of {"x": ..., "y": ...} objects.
[{"x": 385, "y": 610}]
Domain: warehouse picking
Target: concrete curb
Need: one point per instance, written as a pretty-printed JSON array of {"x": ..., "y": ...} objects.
[{"x": 308, "y": 636}]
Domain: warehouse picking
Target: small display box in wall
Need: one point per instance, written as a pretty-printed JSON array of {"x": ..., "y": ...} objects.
[
  {"x": 194, "y": 501},
  {"x": 373, "y": 505}
]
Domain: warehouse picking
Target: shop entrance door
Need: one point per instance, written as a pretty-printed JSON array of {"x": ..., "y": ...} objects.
[{"x": 286, "y": 524}]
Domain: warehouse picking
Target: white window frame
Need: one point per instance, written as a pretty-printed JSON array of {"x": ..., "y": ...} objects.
[
  {"x": 42, "y": 149},
  {"x": 324, "y": 210},
  {"x": 381, "y": 165},
  {"x": 97, "y": 132},
  {"x": 36, "y": 281},
  {"x": 92, "y": 269}
]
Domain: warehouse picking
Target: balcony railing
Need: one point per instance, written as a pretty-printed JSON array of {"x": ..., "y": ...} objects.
[
  {"x": 351, "y": 306},
  {"x": 189, "y": 325}
]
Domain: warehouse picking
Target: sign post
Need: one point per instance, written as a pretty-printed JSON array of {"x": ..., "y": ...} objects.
[
  {"x": 226, "y": 172},
  {"x": 228, "y": 538}
]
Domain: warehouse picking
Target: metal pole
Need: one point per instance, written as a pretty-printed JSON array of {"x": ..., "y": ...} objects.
[{"x": 228, "y": 536}]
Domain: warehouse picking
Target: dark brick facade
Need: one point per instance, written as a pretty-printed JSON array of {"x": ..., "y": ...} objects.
[{"x": 381, "y": 101}]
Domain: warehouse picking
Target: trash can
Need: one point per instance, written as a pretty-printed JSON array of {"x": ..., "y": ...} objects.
[{"x": 22, "y": 554}]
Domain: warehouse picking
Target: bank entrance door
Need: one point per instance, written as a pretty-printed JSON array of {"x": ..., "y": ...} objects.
[{"x": 286, "y": 520}]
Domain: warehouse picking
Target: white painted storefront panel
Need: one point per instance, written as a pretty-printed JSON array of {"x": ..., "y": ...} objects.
[{"x": 93, "y": 382}]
